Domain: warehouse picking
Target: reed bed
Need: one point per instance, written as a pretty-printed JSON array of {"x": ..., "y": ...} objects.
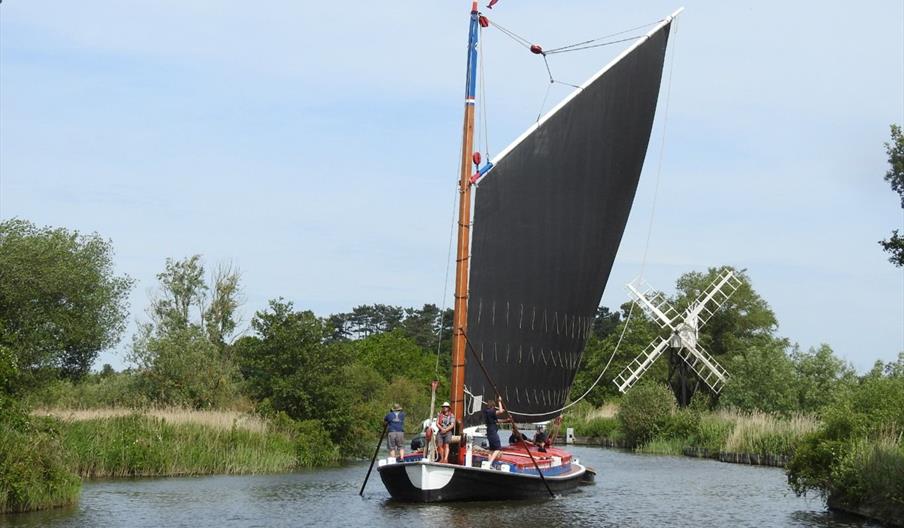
[
  {"x": 765, "y": 434},
  {"x": 663, "y": 446},
  {"x": 724, "y": 431},
  {"x": 146, "y": 445},
  {"x": 220, "y": 420}
]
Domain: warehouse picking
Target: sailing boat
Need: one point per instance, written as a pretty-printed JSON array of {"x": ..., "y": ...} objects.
[{"x": 549, "y": 215}]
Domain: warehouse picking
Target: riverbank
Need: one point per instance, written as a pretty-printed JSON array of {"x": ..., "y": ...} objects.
[
  {"x": 748, "y": 438},
  {"x": 44, "y": 459},
  {"x": 176, "y": 442},
  {"x": 853, "y": 457}
]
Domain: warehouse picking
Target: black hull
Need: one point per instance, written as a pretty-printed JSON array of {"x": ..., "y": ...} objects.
[{"x": 431, "y": 482}]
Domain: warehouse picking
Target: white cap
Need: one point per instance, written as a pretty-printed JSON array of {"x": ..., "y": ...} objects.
[{"x": 446, "y": 404}]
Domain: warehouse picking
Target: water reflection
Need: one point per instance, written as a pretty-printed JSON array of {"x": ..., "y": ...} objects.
[{"x": 631, "y": 490}]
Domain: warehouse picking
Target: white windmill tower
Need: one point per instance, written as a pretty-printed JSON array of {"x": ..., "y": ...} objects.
[{"x": 684, "y": 333}]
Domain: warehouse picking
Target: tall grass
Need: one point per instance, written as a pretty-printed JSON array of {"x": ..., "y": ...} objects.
[
  {"x": 593, "y": 422},
  {"x": 663, "y": 446},
  {"x": 219, "y": 420},
  {"x": 712, "y": 432},
  {"x": 147, "y": 445},
  {"x": 765, "y": 434}
]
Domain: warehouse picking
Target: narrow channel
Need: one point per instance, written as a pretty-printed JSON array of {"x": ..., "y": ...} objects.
[{"x": 631, "y": 490}]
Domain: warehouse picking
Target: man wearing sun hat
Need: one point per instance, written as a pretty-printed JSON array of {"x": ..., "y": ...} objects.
[
  {"x": 445, "y": 422},
  {"x": 395, "y": 423}
]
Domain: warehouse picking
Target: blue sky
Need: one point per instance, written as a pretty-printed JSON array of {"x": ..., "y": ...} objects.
[{"x": 314, "y": 145}]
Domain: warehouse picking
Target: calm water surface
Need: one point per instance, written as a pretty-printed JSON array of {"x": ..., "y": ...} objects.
[{"x": 631, "y": 490}]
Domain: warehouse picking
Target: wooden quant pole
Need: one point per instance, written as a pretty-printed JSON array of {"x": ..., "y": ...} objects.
[
  {"x": 374, "y": 459},
  {"x": 460, "y": 318}
]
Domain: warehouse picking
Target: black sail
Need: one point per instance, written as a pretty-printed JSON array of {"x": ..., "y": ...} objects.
[{"x": 548, "y": 220}]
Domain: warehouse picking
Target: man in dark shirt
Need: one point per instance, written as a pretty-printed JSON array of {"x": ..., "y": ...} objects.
[
  {"x": 540, "y": 438},
  {"x": 395, "y": 423},
  {"x": 491, "y": 416}
]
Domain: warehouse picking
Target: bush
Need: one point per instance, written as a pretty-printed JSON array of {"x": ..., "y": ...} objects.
[
  {"x": 643, "y": 411},
  {"x": 313, "y": 445},
  {"x": 34, "y": 468},
  {"x": 871, "y": 470},
  {"x": 681, "y": 424},
  {"x": 876, "y": 405}
]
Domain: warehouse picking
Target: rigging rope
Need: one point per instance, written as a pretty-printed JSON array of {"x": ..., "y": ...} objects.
[
  {"x": 665, "y": 120},
  {"x": 578, "y": 46},
  {"x": 442, "y": 313}
]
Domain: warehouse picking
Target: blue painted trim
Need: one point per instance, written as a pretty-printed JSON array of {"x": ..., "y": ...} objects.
[
  {"x": 486, "y": 168},
  {"x": 471, "y": 84}
]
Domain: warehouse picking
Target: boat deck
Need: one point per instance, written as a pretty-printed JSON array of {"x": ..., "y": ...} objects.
[{"x": 515, "y": 459}]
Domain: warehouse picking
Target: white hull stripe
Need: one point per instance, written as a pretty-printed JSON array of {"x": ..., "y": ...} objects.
[{"x": 427, "y": 477}]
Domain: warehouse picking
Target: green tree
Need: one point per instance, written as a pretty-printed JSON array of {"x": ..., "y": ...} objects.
[
  {"x": 182, "y": 367},
  {"x": 288, "y": 367},
  {"x": 894, "y": 245},
  {"x": 762, "y": 378},
  {"x": 181, "y": 351},
  {"x": 605, "y": 322},
  {"x": 394, "y": 355},
  {"x": 181, "y": 287},
  {"x": 743, "y": 322},
  {"x": 220, "y": 315},
  {"x": 621, "y": 350},
  {"x": 819, "y": 378},
  {"x": 61, "y": 302}
]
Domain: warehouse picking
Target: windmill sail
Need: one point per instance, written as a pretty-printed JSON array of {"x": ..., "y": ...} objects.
[{"x": 548, "y": 221}]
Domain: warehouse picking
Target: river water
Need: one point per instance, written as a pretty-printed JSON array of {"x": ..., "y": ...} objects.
[{"x": 631, "y": 490}]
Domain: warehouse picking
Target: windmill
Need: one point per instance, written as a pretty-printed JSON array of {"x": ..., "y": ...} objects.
[{"x": 686, "y": 352}]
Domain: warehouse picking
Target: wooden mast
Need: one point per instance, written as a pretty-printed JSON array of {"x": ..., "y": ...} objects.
[{"x": 460, "y": 318}]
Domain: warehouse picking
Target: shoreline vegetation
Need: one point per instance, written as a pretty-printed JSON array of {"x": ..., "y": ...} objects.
[
  {"x": 111, "y": 443},
  {"x": 852, "y": 454},
  {"x": 52, "y": 450}
]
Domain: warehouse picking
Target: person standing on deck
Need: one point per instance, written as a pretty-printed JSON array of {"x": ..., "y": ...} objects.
[
  {"x": 491, "y": 416},
  {"x": 445, "y": 422},
  {"x": 395, "y": 423}
]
